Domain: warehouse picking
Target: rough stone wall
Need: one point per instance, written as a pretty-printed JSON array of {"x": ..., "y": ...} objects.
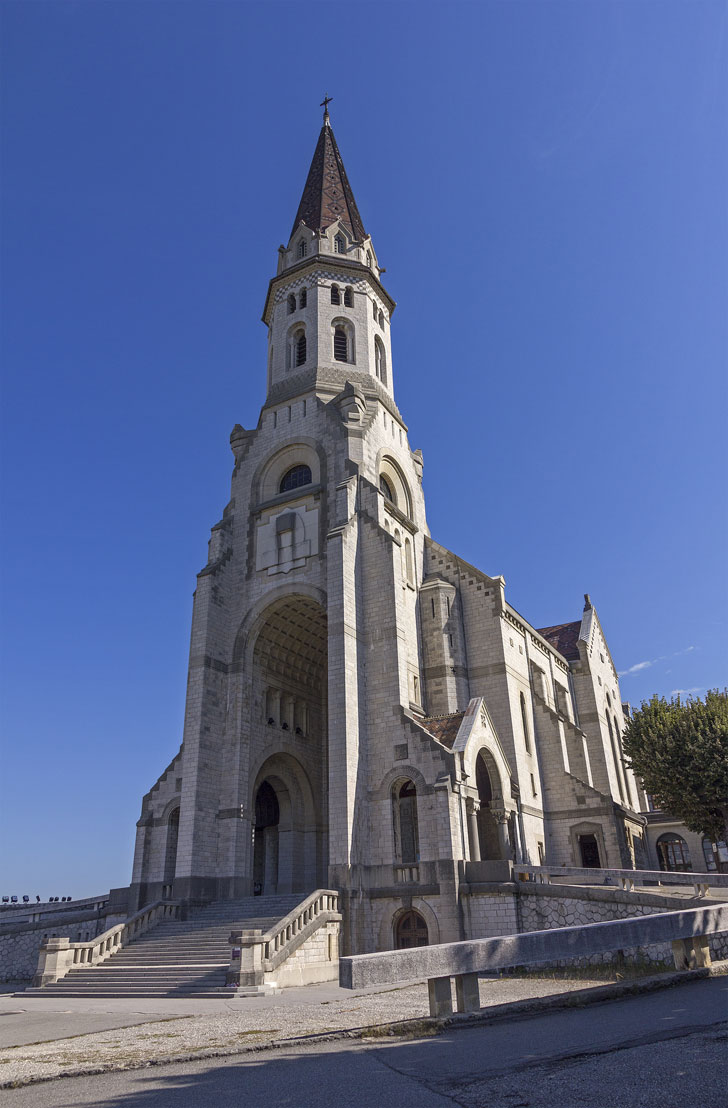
[
  {"x": 20, "y": 943},
  {"x": 541, "y": 911}
]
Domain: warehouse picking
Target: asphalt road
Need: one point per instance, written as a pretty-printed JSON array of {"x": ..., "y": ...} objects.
[{"x": 662, "y": 1050}]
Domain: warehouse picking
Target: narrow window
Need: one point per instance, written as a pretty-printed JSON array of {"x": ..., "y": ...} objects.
[
  {"x": 339, "y": 245},
  {"x": 335, "y": 295},
  {"x": 409, "y": 567},
  {"x": 381, "y": 319},
  {"x": 348, "y": 297},
  {"x": 533, "y": 786},
  {"x": 302, "y": 248},
  {"x": 380, "y": 360},
  {"x": 374, "y": 310},
  {"x": 416, "y": 688},
  {"x": 301, "y": 349},
  {"x": 369, "y": 257},
  {"x": 291, "y": 303},
  {"x": 406, "y": 832},
  {"x": 303, "y": 299},
  {"x": 341, "y": 346},
  {"x": 295, "y": 478},
  {"x": 432, "y": 602},
  {"x": 524, "y": 721},
  {"x": 541, "y": 854}
]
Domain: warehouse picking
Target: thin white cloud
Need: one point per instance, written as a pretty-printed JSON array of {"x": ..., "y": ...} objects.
[
  {"x": 639, "y": 666},
  {"x": 686, "y": 692}
]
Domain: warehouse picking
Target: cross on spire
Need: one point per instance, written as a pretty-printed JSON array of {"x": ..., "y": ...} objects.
[{"x": 325, "y": 105}]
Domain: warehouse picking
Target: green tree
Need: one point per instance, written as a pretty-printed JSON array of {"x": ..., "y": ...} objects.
[{"x": 680, "y": 750}]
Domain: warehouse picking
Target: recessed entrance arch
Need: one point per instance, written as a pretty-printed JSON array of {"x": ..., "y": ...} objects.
[{"x": 289, "y": 765}]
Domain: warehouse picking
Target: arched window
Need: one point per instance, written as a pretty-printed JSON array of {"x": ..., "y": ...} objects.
[
  {"x": 302, "y": 249},
  {"x": 374, "y": 310},
  {"x": 524, "y": 721},
  {"x": 410, "y": 930},
  {"x": 404, "y": 818},
  {"x": 301, "y": 348},
  {"x": 291, "y": 303},
  {"x": 385, "y": 488},
  {"x": 335, "y": 295},
  {"x": 341, "y": 344},
  {"x": 673, "y": 853},
  {"x": 381, "y": 319},
  {"x": 348, "y": 297},
  {"x": 295, "y": 477},
  {"x": 380, "y": 360},
  {"x": 339, "y": 245},
  {"x": 303, "y": 299}
]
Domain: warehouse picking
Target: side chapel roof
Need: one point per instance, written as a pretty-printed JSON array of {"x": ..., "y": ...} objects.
[
  {"x": 444, "y": 728},
  {"x": 564, "y": 637},
  {"x": 327, "y": 194}
]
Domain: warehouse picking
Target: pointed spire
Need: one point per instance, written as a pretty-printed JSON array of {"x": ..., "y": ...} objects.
[{"x": 327, "y": 194}]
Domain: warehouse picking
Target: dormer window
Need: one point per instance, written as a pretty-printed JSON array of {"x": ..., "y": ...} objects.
[
  {"x": 348, "y": 297},
  {"x": 291, "y": 304},
  {"x": 302, "y": 249},
  {"x": 303, "y": 299},
  {"x": 335, "y": 296},
  {"x": 339, "y": 245}
]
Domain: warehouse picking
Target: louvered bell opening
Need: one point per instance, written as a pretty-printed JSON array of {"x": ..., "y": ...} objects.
[
  {"x": 335, "y": 295},
  {"x": 340, "y": 345},
  {"x": 300, "y": 350},
  {"x": 348, "y": 298}
]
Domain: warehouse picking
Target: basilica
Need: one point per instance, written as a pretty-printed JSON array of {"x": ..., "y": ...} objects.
[{"x": 366, "y": 711}]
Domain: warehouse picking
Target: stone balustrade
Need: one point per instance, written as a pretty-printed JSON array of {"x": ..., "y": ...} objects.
[
  {"x": 628, "y": 879},
  {"x": 59, "y": 955},
  {"x": 687, "y": 931},
  {"x": 256, "y": 955}
]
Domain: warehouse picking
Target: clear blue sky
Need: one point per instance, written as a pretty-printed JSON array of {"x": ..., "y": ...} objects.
[{"x": 546, "y": 184}]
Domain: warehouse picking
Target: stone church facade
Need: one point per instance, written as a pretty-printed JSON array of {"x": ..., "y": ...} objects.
[{"x": 365, "y": 710}]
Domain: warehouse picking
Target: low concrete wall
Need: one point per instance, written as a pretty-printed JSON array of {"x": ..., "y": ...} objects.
[
  {"x": 20, "y": 943},
  {"x": 531, "y": 949}
]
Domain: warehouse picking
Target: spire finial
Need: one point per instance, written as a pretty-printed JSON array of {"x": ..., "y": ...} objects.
[{"x": 325, "y": 105}]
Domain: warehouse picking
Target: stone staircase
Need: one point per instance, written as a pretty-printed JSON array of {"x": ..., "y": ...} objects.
[{"x": 177, "y": 958}]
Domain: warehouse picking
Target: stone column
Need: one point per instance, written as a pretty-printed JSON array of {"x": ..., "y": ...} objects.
[{"x": 472, "y": 807}]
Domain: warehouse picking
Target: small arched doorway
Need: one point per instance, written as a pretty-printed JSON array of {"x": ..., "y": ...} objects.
[
  {"x": 488, "y": 787},
  {"x": 410, "y": 930},
  {"x": 265, "y": 843}
]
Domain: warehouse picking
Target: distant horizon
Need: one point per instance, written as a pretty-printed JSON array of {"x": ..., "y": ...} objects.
[{"x": 545, "y": 185}]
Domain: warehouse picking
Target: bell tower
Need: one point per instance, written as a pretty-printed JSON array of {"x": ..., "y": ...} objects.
[{"x": 327, "y": 312}]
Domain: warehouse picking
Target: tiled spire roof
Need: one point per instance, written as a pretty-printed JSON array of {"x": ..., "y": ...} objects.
[{"x": 327, "y": 194}]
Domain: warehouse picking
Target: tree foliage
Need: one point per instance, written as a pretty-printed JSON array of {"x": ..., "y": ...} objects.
[{"x": 680, "y": 750}]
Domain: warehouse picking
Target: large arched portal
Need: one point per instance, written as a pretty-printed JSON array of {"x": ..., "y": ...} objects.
[{"x": 289, "y": 747}]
